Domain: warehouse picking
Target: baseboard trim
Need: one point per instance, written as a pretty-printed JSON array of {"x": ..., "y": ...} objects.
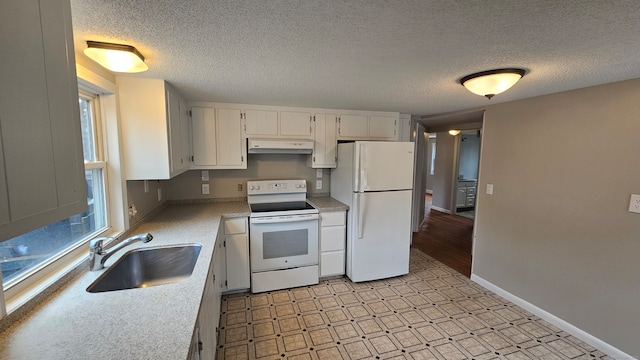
[
  {"x": 437, "y": 208},
  {"x": 554, "y": 320}
]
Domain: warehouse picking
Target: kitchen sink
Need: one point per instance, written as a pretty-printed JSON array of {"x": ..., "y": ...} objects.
[{"x": 146, "y": 267}]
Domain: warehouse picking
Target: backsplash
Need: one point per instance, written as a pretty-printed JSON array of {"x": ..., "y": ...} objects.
[{"x": 224, "y": 183}]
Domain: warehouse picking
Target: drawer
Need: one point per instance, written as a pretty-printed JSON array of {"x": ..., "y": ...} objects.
[
  {"x": 235, "y": 226},
  {"x": 471, "y": 190},
  {"x": 332, "y": 238},
  {"x": 332, "y": 263},
  {"x": 470, "y": 201},
  {"x": 333, "y": 218}
]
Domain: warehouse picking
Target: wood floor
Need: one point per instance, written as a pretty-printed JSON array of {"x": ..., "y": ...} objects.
[{"x": 447, "y": 238}]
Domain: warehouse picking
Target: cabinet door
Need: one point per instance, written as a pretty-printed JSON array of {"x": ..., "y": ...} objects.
[
  {"x": 238, "y": 273},
  {"x": 351, "y": 126},
  {"x": 295, "y": 124},
  {"x": 173, "y": 119},
  {"x": 185, "y": 135},
  {"x": 325, "y": 142},
  {"x": 461, "y": 198},
  {"x": 404, "y": 127},
  {"x": 41, "y": 140},
  {"x": 203, "y": 123},
  {"x": 231, "y": 149},
  {"x": 261, "y": 123},
  {"x": 206, "y": 319},
  {"x": 382, "y": 127},
  {"x": 332, "y": 263}
]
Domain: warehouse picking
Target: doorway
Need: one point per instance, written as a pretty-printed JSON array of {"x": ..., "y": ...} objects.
[
  {"x": 445, "y": 233},
  {"x": 466, "y": 180}
]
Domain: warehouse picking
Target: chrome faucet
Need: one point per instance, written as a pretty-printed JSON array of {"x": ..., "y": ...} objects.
[{"x": 98, "y": 256}]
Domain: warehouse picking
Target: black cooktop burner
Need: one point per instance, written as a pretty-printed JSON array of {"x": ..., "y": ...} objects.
[{"x": 280, "y": 206}]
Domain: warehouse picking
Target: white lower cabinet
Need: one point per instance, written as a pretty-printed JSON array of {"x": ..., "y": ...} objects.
[
  {"x": 225, "y": 265},
  {"x": 205, "y": 334},
  {"x": 236, "y": 242},
  {"x": 332, "y": 243}
]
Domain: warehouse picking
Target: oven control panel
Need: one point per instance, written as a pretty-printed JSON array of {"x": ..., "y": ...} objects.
[{"x": 261, "y": 187}]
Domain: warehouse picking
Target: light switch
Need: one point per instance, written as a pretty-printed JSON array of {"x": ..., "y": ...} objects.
[
  {"x": 205, "y": 189},
  {"x": 489, "y": 189},
  {"x": 634, "y": 204},
  {"x": 319, "y": 173}
]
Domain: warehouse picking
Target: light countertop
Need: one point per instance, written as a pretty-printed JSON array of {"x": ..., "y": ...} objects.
[
  {"x": 150, "y": 323},
  {"x": 325, "y": 203}
]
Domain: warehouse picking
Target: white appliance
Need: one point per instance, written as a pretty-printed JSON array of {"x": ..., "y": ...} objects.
[
  {"x": 375, "y": 179},
  {"x": 283, "y": 235}
]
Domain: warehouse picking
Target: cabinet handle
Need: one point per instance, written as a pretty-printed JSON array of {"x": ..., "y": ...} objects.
[{"x": 200, "y": 346}]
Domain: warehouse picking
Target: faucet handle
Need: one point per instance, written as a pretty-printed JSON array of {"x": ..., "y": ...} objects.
[{"x": 95, "y": 245}]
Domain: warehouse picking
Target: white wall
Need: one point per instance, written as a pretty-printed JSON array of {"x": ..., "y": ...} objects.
[{"x": 556, "y": 231}]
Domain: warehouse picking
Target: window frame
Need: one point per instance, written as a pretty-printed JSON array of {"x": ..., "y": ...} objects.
[{"x": 107, "y": 143}]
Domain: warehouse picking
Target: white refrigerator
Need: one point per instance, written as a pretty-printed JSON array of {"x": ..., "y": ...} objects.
[{"x": 375, "y": 179}]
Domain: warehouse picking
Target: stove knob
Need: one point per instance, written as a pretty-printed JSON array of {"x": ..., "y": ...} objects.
[
  {"x": 303, "y": 185},
  {"x": 297, "y": 186},
  {"x": 252, "y": 187},
  {"x": 257, "y": 187}
]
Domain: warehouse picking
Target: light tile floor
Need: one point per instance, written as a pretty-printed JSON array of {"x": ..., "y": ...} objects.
[{"x": 431, "y": 313}]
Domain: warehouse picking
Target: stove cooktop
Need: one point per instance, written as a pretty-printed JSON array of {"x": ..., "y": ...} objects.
[{"x": 280, "y": 206}]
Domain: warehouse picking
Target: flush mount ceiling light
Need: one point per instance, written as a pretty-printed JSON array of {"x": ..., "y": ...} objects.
[
  {"x": 492, "y": 82},
  {"x": 454, "y": 132},
  {"x": 116, "y": 57}
]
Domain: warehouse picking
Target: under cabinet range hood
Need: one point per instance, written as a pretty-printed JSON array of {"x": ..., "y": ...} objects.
[{"x": 280, "y": 146}]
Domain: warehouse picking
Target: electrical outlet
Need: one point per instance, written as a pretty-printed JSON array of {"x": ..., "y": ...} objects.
[
  {"x": 205, "y": 175},
  {"x": 146, "y": 186},
  {"x": 205, "y": 189},
  {"x": 318, "y": 184},
  {"x": 239, "y": 187},
  {"x": 489, "y": 189},
  {"x": 634, "y": 204},
  {"x": 159, "y": 194},
  {"x": 319, "y": 173}
]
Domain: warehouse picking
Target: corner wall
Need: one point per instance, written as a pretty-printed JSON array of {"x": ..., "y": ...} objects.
[{"x": 556, "y": 231}]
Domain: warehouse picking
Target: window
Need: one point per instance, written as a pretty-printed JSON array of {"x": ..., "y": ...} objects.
[{"x": 23, "y": 255}]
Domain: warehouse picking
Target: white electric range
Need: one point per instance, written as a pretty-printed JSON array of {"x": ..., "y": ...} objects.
[{"x": 283, "y": 235}]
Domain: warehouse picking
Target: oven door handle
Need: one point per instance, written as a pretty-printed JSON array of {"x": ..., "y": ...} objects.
[{"x": 278, "y": 219}]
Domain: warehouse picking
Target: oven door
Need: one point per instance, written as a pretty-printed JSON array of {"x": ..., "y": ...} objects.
[{"x": 282, "y": 242}]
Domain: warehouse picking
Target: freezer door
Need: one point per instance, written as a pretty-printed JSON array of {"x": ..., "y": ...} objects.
[
  {"x": 381, "y": 166},
  {"x": 380, "y": 235}
]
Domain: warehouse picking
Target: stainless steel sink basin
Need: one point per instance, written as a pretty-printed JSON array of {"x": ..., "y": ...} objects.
[{"x": 147, "y": 267}]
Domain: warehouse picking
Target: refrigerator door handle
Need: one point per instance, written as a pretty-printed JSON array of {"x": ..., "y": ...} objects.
[
  {"x": 362, "y": 203},
  {"x": 362, "y": 183}
]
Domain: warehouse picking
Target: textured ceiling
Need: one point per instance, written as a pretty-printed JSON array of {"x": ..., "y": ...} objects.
[{"x": 404, "y": 56}]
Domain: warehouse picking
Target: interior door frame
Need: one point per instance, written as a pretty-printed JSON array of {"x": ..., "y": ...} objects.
[{"x": 419, "y": 177}]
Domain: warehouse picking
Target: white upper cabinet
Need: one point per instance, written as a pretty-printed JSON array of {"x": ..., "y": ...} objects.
[
  {"x": 217, "y": 139},
  {"x": 295, "y": 124},
  {"x": 277, "y": 124},
  {"x": 261, "y": 123},
  {"x": 404, "y": 130},
  {"x": 368, "y": 127},
  {"x": 324, "y": 142},
  {"x": 41, "y": 161},
  {"x": 155, "y": 136}
]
